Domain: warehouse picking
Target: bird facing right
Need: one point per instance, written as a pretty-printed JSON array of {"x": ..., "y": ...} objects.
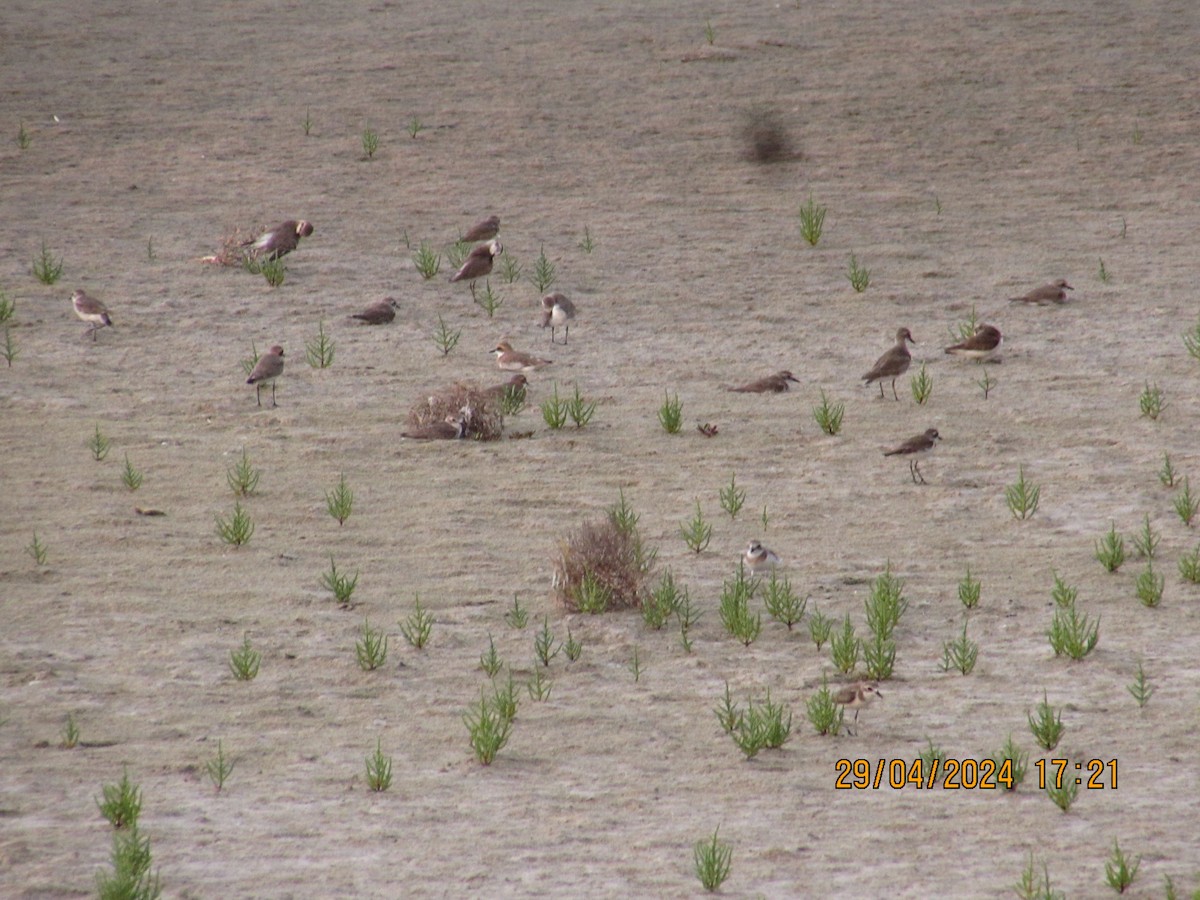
[
  {"x": 557, "y": 312},
  {"x": 380, "y": 312},
  {"x": 856, "y": 697},
  {"x": 913, "y": 448},
  {"x": 91, "y": 311},
  {"x": 1055, "y": 292},
  {"x": 265, "y": 371},
  {"x": 893, "y": 363}
]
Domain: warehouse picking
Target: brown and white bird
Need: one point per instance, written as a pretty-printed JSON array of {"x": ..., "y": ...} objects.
[
  {"x": 557, "y": 312},
  {"x": 757, "y": 557},
  {"x": 91, "y": 311},
  {"x": 982, "y": 345},
  {"x": 378, "y": 313},
  {"x": 1055, "y": 292},
  {"x": 280, "y": 240},
  {"x": 511, "y": 360},
  {"x": 452, "y": 429},
  {"x": 856, "y": 697},
  {"x": 478, "y": 262},
  {"x": 482, "y": 231},
  {"x": 892, "y": 364},
  {"x": 265, "y": 371},
  {"x": 914, "y": 448},
  {"x": 771, "y": 384}
]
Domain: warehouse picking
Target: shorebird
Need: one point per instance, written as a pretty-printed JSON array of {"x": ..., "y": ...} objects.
[
  {"x": 516, "y": 384},
  {"x": 856, "y": 696},
  {"x": 478, "y": 262},
  {"x": 510, "y": 360},
  {"x": 452, "y": 429},
  {"x": 1055, "y": 292},
  {"x": 482, "y": 231},
  {"x": 280, "y": 240},
  {"x": 913, "y": 448},
  {"x": 983, "y": 344},
  {"x": 266, "y": 370},
  {"x": 557, "y": 312},
  {"x": 378, "y": 313},
  {"x": 772, "y": 384},
  {"x": 91, "y": 311},
  {"x": 757, "y": 557},
  {"x": 892, "y": 364}
]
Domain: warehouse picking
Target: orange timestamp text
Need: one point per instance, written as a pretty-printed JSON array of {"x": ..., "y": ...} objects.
[{"x": 949, "y": 774}]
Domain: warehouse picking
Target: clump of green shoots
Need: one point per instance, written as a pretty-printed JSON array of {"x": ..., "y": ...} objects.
[
  {"x": 98, "y": 444},
  {"x": 319, "y": 351},
  {"x": 1141, "y": 688},
  {"x": 23, "y": 138},
  {"x": 587, "y": 245},
  {"x": 781, "y": 601},
  {"x": 820, "y": 628},
  {"x": 489, "y": 729},
  {"x": 1017, "y": 760},
  {"x": 510, "y": 268},
  {"x": 544, "y": 646},
  {"x": 379, "y": 769},
  {"x": 340, "y": 501},
  {"x": 922, "y": 386},
  {"x": 445, "y": 338},
  {"x": 37, "y": 550},
  {"x": 219, "y": 768},
  {"x": 986, "y": 383},
  {"x": 969, "y": 590},
  {"x": 960, "y": 653},
  {"x": 829, "y": 415},
  {"x": 307, "y": 124},
  {"x": 735, "y": 607},
  {"x": 46, "y": 268},
  {"x": 9, "y": 351},
  {"x": 670, "y": 414},
  {"x": 427, "y": 262},
  {"x": 1072, "y": 634},
  {"x": 1146, "y": 541},
  {"x": 543, "y": 272},
  {"x": 1167, "y": 475},
  {"x": 237, "y": 529},
  {"x": 7, "y": 307},
  {"x": 244, "y": 662},
  {"x": 1110, "y": 549},
  {"x": 371, "y": 649},
  {"x": 488, "y": 299},
  {"x": 554, "y": 410},
  {"x": 1118, "y": 872},
  {"x": 1033, "y": 886},
  {"x": 418, "y": 626},
  {"x": 1185, "y": 504},
  {"x": 1047, "y": 726},
  {"x": 1149, "y": 587},
  {"x": 1023, "y": 496},
  {"x": 1062, "y": 593},
  {"x": 663, "y": 601},
  {"x": 844, "y": 647},
  {"x": 338, "y": 583},
  {"x": 696, "y": 533},
  {"x": 70, "y": 733},
  {"x": 858, "y": 275},
  {"x": 517, "y": 616},
  {"x": 825, "y": 715},
  {"x": 812, "y": 221},
  {"x": 1191, "y": 340},
  {"x": 415, "y": 127},
  {"x": 490, "y": 660},
  {"x": 122, "y": 803},
  {"x": 242, "y": 476},
  {"x": 370, "y": 142},
  {"x": 130, "y": 476},
  {"x": 580, "y": 409},
  {"x": 1151, "y": 401},
  {"x": 1189, "y": 566},
  {"x": 712, "y": 859},
  {"x": 733, "y": 498}
]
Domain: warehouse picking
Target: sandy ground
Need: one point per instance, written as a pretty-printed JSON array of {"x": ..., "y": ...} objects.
[{"x": 964, "y": 157}]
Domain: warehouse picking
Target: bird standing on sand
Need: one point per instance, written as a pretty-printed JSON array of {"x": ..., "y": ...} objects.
[
  {"x": 913, "y": 448},
  {"x": 771, "y": 384},
  {"x": 892, "y": 364},
  {"x": 1055, "y": 292},
  {"x": 280, "y": 240},
  {"x": 557, "y": 312},
  {"x": 265, "y": 371},
  {"x": 856, "y": 697},
  {"x": 91, "y": 311},
  {"x": 478, "y": 262}
]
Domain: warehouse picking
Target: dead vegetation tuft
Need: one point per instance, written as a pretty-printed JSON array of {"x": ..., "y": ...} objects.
[
  {"x": 481, "y": 407},
  {"x": 605, "y": 555},
  {"x": 233, "y": 247}
]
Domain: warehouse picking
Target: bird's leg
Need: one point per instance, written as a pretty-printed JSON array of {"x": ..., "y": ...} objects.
[
  {"x": 880, "y": 390},
  {"x": 894, "y": 394},
  {"x": 258, "y": 393},
  {"x": 566, "y": 335},
  {"x": 273, "y": 403}
]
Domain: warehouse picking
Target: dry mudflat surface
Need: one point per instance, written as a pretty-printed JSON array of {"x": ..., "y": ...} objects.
[{"x": 965, "y": 155}]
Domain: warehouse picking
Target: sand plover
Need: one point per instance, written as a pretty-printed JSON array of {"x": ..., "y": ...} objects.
[
  {"x": 1055, "y": 292},
  {"x": 772, "y": 384},
  {"x": 452, "y": 429},
  {"x": 983, "y": 344},
  {"x": 892, "y": 364},
  {"x": 378, "y": 313},
  {"x": 266, "y": 370},
  {"x": 557, "y": 312},
  {"x": 280, "y": 240},
  {"x": 482, "y": 231},
  {"x": 91, "y": 311},
  {"x": 757, "y": 557},
  {"x": 913, "y": 448},
  {"x": 856, "y": 697},
  {"x": 478, "y": 262},
  {"x": 511, "y": 360}
]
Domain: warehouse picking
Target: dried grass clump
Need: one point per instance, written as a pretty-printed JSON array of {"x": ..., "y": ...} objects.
[
  {"x": 484, "y": 421},
  {"x": 233, "y": 249},
  {"x": 766, "y": 137},
  {"x": 608, "y": 554}
]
